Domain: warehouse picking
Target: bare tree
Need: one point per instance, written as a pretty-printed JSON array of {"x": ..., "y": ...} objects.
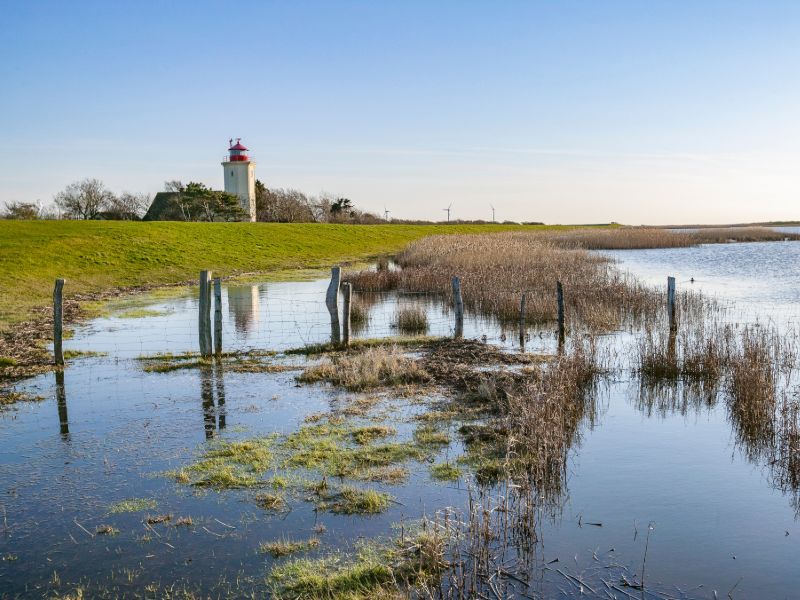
[
  {"x": 22, "y": 211},
  {"x": 128, "y": 206},
  {"x": 84, "y": 199}
]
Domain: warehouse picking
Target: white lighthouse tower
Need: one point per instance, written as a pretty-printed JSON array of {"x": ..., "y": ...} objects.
[{"x": 240, "y": 176}]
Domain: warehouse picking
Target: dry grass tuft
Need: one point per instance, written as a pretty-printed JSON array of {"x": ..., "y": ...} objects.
[
  {"x": 412, "y": 320},
  {"x": 373, "y": 368}
]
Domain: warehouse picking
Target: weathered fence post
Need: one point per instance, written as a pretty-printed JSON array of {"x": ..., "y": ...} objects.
[
  {"x": 218, "y": 316},
  {"x": 58, "y": 321},
  {"x": 560, "y": 304},
  {"x": 332, "y": 302},
  {"x": 458, "y": 303},
  {"x": 204, "y": 322},
  {"x": 522, "y": 322},
  {"x": 671, "y": 313},
  {"x": 347, "y": 290}
]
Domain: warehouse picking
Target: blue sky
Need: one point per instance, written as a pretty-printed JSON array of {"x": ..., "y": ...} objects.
[{"x": 637, "y": 112}]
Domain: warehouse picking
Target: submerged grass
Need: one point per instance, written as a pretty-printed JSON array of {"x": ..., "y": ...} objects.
[{"x": 132, "y": 505}]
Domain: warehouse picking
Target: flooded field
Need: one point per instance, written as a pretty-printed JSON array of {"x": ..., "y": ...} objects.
[{"x": 112, "y": 481}]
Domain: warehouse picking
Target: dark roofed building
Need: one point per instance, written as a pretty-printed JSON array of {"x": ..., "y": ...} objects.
[{"x": 164, "y": 208}]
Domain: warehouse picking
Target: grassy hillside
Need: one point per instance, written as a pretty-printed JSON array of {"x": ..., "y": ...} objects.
[{"x": 100, "y": 255}]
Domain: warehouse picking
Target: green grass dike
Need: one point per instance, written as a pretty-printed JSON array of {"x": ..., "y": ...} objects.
[{"x": 97, "y": 256}]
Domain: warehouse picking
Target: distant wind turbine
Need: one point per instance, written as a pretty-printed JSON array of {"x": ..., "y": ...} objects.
[
  {"x": 492, "y": 212},
  {"x": 386, "y": 213},
  {"x": 447, "y": 210}
]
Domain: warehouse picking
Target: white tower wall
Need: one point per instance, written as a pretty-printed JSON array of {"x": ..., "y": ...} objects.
[{"x": 240, "y": 180}]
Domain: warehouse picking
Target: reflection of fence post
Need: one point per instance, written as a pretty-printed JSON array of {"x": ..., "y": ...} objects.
[
  {"x": 204, "y": 322},
  {"x": 332, "y": 302},
  {"x": 347, "y": 290},
  {"x": 218, "y": 316},
  {"x": 61, "y": 403},
  {"x": 560, "y": 304},
  {"x": 458, "y": 303},
  {"x": 58, "y": 321},
  {"x": 522, "y": 322},
  {"x": 671, "y": 314}
]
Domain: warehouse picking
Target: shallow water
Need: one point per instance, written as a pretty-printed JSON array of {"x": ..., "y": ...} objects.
[{"x": 718, "y": 521}]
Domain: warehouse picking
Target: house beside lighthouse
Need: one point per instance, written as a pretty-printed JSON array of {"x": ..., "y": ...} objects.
[{"x": 240, "y": 176}]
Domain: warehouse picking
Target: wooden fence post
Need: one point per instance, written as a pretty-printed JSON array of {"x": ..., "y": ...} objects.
[
  {"x": 671, "y": 313},
  {"x": 347, "y": 290},
  {"x": 522, "y": 321},
  {"x": 204, "y": 321},
  {"x": 458, "y": 303},
  {"x": 218, "y": 316},
  {"x": 560, "y": 304},
  {"x": 58, "y": 321},
  {"x": 332, "y": 302}
]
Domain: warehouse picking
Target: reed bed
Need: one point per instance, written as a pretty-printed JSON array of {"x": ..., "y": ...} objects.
[
  {"x": 720, "y": 235},
  {"x": 496, "y": 269},
  {"x": 629, "y": 238}
]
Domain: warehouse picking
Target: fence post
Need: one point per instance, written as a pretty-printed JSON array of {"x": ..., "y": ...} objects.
[
  {"x": 218, "y": 316},
  {"x": 58, "y": 321},
  {"x": 671, "y": 313},
  {"x": 332, "y": 302},
  {"x": 560, "y": 304},
  {"x": 204, "y": 322},
  {"x": 458, "y": 303},
  {"x": 522, "y": 322},
  {"x": 347, "y": 290}
]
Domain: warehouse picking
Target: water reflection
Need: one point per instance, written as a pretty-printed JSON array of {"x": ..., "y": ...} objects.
[
  {"x": 244, "y": 305},
  {"x": 212, "y": 394},
  {"x": 61, "y": 402}
]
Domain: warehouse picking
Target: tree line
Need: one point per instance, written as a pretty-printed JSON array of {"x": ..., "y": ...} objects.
[{"x": 90, "y": 199}]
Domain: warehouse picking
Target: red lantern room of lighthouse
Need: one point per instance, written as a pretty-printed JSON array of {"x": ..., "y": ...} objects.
[{"x": 237, "y": 152}]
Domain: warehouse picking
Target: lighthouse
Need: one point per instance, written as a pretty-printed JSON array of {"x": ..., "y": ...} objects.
[{"x": 240, "y": 176}]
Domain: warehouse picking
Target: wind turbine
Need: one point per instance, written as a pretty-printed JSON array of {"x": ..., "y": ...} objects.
[
  {"x": 386, "y": 213},
  {"x": 492, "y": 206},
  {"x": 447, "y": 210}
]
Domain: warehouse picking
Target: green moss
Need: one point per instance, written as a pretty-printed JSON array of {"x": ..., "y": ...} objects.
[
  {"x": 132, "y": 505},
  {"x": 7, "y": 361}
]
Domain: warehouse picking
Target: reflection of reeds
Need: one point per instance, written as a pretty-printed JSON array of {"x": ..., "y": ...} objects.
[{"x": 751, "y": 389}]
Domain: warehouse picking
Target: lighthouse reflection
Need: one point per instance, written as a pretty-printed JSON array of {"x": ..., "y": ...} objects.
[
  {"x": 243, "y": 306},
  {"x": 212, "y": 395}
]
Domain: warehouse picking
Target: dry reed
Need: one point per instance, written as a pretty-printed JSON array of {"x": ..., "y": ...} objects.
[{"x": 412, "y": 319}]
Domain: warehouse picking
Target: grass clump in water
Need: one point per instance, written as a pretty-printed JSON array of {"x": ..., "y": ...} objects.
[
  {"x": 372, "y": 368},
  {"x": 445, "y": 472},
  {"x": 229, "y": 465},
  {"x": 285, "y": 547},
  {"x": 412, "y": 320},
  {"x": 370, "y": 433},
  {"x": 132, "y": 505},
  {"x": 349, "y": 500},
  {"x": 428, "y": 435},
  {"x": 271, "y": 502},
  {"x": 392, "y": 570}
]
